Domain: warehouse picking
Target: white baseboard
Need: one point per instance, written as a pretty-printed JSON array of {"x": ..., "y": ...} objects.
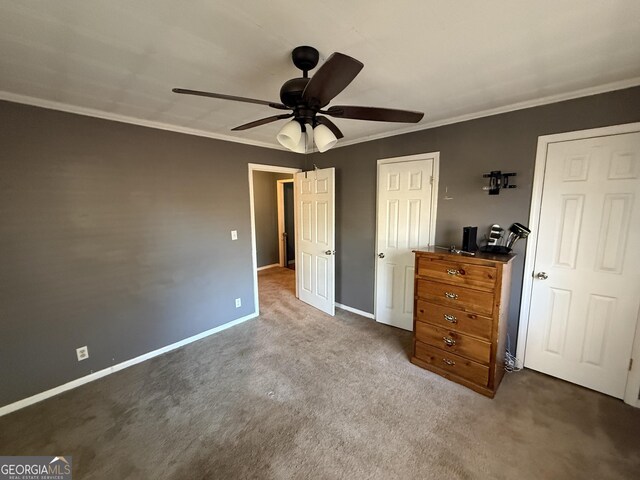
[
  {"x": 25, "y": 402},
  {"x": 268, "y": 266},
  {"x": 356, "y": 311}
]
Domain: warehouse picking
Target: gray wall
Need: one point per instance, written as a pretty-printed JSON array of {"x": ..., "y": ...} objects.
[
  {"x": 504, "y": 142},
  {"x": 265, "y": 204},
  {"x": 117, "y": 237}
]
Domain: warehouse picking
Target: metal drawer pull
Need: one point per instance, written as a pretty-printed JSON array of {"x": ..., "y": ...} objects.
[
  {"x": 449, "y": 362},
  {"x": 451, "y": 318},
  {"x": 453, "y": 271},
  {"x": 450, "y": 295},
  {"x": 450, "y": 342}
]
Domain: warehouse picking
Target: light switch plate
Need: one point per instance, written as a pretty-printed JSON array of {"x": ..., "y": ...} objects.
[{"x": 234, "y": 234}]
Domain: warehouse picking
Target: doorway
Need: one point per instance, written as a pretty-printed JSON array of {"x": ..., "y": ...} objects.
[
  {"x": 266, "y": 235},
  {"x": 286, "y": 224},
  {"x": 581, "y": 301},
  {"x": 269, "y": 217},
  {"x": 314, "y": 228}
]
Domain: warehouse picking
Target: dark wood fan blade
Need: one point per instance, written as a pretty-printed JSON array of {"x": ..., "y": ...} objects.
[
  {"x": 262, "y": 121},
  {"x": 230, "y": 97},
  {"x": 331, "y": 78},
  {"x": 330, "y": 125},
  {"x": 374, "y": 113}
]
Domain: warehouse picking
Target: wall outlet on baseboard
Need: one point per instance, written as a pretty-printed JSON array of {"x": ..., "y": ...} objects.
[
  {"x": 82, "y": 353},
  {"x": 238, "y": 303}
]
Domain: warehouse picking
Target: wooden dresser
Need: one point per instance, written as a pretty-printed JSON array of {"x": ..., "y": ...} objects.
[{"x": 460, "y": 316}]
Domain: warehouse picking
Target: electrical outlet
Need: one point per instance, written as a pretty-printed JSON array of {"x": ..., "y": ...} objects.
[
  {"x": 82, "y": 353},
  {"x": 238, "y": 303},
  {"x": 234, "y": 234}
]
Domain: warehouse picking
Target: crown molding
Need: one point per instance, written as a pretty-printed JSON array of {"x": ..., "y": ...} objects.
[
  {"x": 90, "y": 112},
  {"x": 585, "y": 92}
]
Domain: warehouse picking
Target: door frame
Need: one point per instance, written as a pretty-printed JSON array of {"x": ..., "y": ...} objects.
[
  {"x": 435, "y": 156},
  {"x": 254, "y": 254},
  {"x": 632, "y": 390},
  {"x": 280, "y": 202}
]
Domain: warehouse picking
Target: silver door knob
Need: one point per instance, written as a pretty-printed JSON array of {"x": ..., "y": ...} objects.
[
  {"x": 542, "y": 276},
  {"x": 381, "y": 255}
]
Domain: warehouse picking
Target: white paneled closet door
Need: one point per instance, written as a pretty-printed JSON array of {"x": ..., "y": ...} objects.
[
  {"x": 404, "y": 224},
  {"x": 586, "y": 290}
]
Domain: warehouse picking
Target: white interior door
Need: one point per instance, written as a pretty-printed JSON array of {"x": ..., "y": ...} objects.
[
  {"x": 586, "y": 288},
  {"x": 315, "y": 238},
  {"x": 404, "y": 224}
]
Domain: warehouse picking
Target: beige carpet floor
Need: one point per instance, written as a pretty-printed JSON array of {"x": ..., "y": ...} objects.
[{"x": 298, "y": 394}]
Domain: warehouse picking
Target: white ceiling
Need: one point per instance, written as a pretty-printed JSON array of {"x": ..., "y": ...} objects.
[{"x": 450, "y": 59}]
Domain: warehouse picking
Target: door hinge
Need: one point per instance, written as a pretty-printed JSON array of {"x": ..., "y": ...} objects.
[
  {"x": 630, "y": 363},
  {"x": 431, "y": 180}
]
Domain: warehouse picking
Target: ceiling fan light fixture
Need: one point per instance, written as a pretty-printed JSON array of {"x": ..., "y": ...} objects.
[
  {"x": 290, "y": 135},
  {"x": 301, "y": 147},
  {"x": 324, "y": 138}
]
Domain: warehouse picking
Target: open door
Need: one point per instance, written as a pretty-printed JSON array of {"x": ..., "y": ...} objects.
[{"x": 315, "y": 238}]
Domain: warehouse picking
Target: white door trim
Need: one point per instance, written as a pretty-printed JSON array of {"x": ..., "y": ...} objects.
[
  {"x": 254, "y": 254},
  {"x": 633, "y": 380},
  {"x": 435, "y": 156},
  {"x": 280, "y": 193}
]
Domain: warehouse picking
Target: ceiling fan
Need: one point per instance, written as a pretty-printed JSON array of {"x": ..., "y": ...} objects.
[{"x": 307, "y": 98}]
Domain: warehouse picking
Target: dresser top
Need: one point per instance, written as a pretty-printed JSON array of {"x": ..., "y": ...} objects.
[{"x": 478, "y": 258}]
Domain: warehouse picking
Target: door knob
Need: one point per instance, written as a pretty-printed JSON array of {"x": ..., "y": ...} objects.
[
  {"x": 330, "y": 252},
  {"x": 542, "y": 276},
  {"x": 381, "y": 255}
]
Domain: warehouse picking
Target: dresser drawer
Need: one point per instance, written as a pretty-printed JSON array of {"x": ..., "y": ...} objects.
[
  {"x": 457, "y": 273},
  {"x": 454, "y": 342},
  {"x": 452, "y": 363},
  {"x": 474, "y": 301},
  {"x": 447, "y": 317}
]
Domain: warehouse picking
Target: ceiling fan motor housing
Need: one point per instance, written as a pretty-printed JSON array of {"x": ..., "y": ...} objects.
[
  {"x": 291, "y": 91},
  {"x": 305, "y": 58}
]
